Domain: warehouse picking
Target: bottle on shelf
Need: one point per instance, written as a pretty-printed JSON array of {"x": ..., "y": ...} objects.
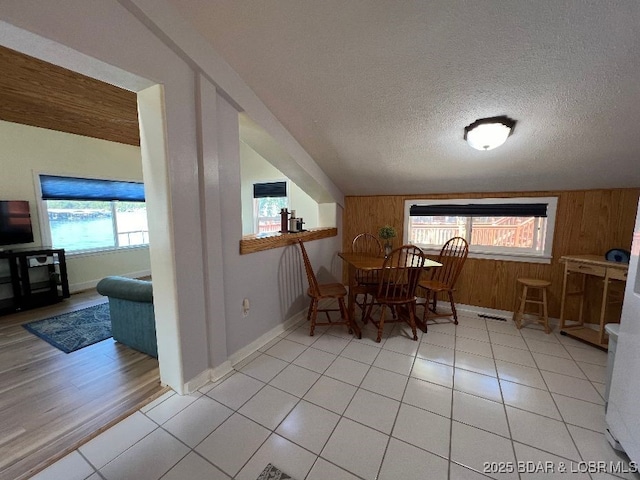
[{"x": 284, "y": 220}]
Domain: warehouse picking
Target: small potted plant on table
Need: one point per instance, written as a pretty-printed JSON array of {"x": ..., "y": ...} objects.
[{"x": 387, "y": 233}]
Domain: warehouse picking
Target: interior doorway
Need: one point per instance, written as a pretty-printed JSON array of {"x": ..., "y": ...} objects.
[{"x": 59, "y": 439}]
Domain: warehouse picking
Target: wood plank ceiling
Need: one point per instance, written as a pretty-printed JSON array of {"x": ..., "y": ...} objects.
[{"x": 40, "y": 94}]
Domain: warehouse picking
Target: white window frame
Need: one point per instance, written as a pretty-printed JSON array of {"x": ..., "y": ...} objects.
[
  {"x": 45, "y": 226},
  {"x": 255, "y": 200},
  {"x": 494, "y": 253}
]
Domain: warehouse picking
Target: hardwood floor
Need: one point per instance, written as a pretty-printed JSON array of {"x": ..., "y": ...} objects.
[{"x": 52, "y": 402}]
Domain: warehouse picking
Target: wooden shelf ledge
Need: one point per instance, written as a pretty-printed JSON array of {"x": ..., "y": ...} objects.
[{"x": 260, "y": 242}]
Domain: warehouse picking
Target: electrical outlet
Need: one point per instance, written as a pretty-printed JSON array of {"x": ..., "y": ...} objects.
[{"x": 245, "y": 308}]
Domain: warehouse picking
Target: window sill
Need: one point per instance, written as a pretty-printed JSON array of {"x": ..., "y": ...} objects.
[
  {"x": 257, "y": 243},
  {"x": 102, "y": 251},
  {"x": 505, "y": 257}
]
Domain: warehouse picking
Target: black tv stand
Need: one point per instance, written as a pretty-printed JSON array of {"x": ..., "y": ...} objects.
[{"x": 34, "y": 277}]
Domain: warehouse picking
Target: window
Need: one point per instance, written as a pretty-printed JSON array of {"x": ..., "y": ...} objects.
[
  {"x": 268, "y": 200},
  {"x": 89, "y": 214},
  {"x": 503, "y": 228}
]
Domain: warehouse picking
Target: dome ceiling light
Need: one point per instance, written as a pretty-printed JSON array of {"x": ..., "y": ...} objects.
[{"x": 489, "y": 133}]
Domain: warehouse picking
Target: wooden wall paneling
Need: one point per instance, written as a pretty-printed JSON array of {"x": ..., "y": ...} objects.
[
  {"x": 40, "y": 94},
  {"x": 587, "y": 222},
  {"x": 569, "y": 224},
  {"x": 624, "y": 222},
  {"x": 602, "y": 207}
]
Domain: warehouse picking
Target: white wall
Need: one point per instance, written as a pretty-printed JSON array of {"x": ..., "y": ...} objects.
[
  {"x": 192, "y": 175},
  {"x": 255, "y": 169},
  {"x": 27, "y": 151}
]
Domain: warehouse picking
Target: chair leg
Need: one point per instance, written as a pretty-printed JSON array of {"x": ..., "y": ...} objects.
[
  {"x": 523, "y": 302},
  {"x": 425, "y": 313},
  {"x": 381, "y": 323},
  {"x": 362, "y": 304},
  {"x": 363, "y": 307},
  {"x": 412, "y": 320},
  {"x": 313, "y": 314},
  {"x": 366, "y": 316},
  {"x": 516, "y": 304},
  {"x": 426, "y": 308},
  {"x": 453, "y": 307},
  {"x": 547, "y": 330},
  {"x": 344, "y": 315}
]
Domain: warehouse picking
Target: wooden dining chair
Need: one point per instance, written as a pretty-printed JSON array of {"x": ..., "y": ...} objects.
[
  {"x": 397, "y": 284},
  {"x": 322, "y": 291},
  {"x": 366, "y": 281},
  {"x": 443, "y": 279}
]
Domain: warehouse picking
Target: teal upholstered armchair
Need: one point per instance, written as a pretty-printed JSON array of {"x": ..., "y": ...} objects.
[{"x": 131, "y": 307}]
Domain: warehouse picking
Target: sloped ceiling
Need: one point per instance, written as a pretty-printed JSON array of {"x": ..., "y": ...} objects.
[
  {"x": 379, "y": 92},
  {"x": 40, "y": 94}
]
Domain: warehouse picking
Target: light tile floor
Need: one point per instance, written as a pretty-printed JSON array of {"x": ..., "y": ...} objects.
[{"x": 335, "y": 407}]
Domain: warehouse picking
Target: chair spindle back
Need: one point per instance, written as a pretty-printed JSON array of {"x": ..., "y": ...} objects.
[
  {"x": 311, "y": 276},
  {"x": 452, "y": 257},
  {"x": 400, "y": 274},
  {"x": 367, "y": 244}
]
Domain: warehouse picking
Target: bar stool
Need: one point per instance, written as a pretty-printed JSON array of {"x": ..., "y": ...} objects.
[{"x": 540, "y": 300}]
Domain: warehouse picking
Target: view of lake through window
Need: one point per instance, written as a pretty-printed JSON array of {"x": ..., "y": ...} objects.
[{"x": 90, "y": 225}]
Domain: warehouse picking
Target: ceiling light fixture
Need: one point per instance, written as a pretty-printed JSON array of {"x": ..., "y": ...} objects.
[{"x": 489, "y": 133}]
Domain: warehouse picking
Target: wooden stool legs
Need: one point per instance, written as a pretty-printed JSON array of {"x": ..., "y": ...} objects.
[{"x": 540, "y": 301}]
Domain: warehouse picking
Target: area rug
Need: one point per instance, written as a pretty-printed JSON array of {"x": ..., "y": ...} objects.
[
  {"x": 271, "y": 472},
  {"x": 74, "y": 330}
]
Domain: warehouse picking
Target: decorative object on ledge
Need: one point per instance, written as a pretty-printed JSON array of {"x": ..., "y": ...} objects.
[
  {"x": 489, "y": 133},
  {"x": 267, "y": 241},
  {"x": 289, "y": 223},
  {"x": 284, "y": 221},
  {"x": 387, "y": 233}
]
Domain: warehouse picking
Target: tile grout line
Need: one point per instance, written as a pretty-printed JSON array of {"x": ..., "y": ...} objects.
[
  {"x": 573, "y": 442},
  {"x": 399, "y": 407},
  {"x": 453, "y": 386},
  {"x": 370, "y": 365}
]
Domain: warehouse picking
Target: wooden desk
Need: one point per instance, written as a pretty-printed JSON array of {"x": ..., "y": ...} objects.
[
  {"x": 359, "y": 261},
  {"x": 593, "y": 266}
]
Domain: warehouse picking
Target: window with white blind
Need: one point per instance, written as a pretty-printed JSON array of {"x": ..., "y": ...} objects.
[
  {"x": 269, "y": 198},
  {"x": 519, "y": 229}
]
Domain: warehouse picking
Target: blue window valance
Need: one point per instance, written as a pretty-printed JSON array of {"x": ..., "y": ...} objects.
[
  {"x": 270, "y": 189},
  {"x": 480, "y": 210},
  {"x": 73, "y": 188}
]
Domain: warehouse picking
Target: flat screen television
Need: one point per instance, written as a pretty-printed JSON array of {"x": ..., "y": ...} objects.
[{"x": 15, "y": 222}]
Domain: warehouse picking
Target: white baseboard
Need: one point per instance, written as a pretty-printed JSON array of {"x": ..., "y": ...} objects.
[
  {"x": 209, "y": 375},
  {"x": 195, "y": 383},
  {"x": 80, "y": 287},
  {"x": 220, "y": 371}
]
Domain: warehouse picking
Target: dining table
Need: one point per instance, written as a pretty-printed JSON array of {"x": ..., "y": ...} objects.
[{"x": 363, "y": 262}]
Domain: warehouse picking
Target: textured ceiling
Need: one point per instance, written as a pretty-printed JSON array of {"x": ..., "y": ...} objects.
[{"x": 379, "y": 92}]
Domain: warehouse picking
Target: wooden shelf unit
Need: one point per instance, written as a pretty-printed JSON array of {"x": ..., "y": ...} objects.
[
  {"x": 37, "y": 277},
  {"x": 589, "y": 266}
]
